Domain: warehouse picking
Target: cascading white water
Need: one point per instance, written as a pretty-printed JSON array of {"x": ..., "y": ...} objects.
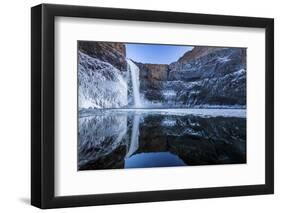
[
  {"x": 134, "y": 145},
  {"x": 134, "y": 70}
]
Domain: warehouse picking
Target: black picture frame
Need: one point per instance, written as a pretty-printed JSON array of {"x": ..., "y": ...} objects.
[{"x": 43, "y": 105}]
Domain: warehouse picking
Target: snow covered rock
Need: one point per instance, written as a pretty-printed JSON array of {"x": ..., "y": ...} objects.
[
  {"x": 100, "y": 84},
  {"x": 204, "y": 76}
]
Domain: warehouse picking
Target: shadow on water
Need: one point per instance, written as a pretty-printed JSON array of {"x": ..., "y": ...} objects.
[{"x": 133, "y": 139}]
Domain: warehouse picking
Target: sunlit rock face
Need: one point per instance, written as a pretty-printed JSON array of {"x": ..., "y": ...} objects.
[
  {"x": 151, "y": 78},
  {"x": 197, "y": 52},
  {"x": 201, "y": 77},
  {"x": 100, "y": 85},
  {"x": 110, "y": 52},
  {"x": 216, "y": 63}
]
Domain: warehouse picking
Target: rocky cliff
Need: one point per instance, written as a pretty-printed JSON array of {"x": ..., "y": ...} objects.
[
  {"x": 102, "y": 69},
  {"x": 110, "y": 52},
  {"x": 151, "y": 78},
  {"x": 100, "y": 85},
  {"x": 196, "y": 53},
  {"x": 201, "y": 77}
]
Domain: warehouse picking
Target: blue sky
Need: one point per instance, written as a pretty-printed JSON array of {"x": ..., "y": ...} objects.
[{"x": 155, "y": 53}]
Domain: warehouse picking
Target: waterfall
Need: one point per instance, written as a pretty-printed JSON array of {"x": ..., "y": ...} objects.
[
  {"x": 134, "y": 145},
  {"x": 134, "y": 71}
]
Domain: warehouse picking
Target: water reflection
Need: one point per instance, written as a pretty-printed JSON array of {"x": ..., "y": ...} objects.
[
  {"x": 154, "y": 159},
  {"x": 114, "y": 139}
]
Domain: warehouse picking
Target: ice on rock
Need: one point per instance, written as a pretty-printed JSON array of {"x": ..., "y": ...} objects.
[{"x": 100, "y": 84}]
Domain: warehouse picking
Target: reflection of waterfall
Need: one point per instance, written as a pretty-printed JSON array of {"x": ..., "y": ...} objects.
[
  {"x": 134, "y": 145},
  {"x": 134, "y": 71},
  {"x": 120, "y": 138}
]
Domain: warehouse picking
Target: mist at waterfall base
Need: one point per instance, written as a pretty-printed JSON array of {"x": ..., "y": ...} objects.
[{"x": 119, "y": 128}]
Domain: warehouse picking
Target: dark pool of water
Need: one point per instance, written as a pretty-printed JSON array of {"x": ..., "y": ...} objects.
[
  {"x": 112, "y": 139},
  {"x": 153, "y": 159}
]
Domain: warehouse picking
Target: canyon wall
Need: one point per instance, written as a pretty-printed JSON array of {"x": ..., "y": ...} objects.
[{"x": 201, "y": 77}]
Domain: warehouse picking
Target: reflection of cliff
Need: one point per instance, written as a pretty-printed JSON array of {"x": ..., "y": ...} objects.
[
  {"x": 196, "y": 140},
  {"x": 105, "y": 140},
  {"x": 101, "y": 136}
]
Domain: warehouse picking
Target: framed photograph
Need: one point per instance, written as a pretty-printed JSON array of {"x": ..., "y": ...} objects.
[{"x": 139, "y": 106}]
